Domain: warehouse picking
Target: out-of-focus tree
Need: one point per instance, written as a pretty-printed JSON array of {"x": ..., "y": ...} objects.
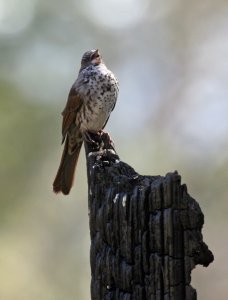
[{"x": 171, "y": 61}]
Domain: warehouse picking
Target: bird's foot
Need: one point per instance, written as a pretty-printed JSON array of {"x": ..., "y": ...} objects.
[
  {"x": 92, "y": 141},
  {"x": 87, "y": 137},
  {"x": 98, "y": 140},
  {"x": 106, "y": 138}
]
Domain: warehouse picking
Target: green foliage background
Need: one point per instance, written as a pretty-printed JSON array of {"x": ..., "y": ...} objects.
[{"x": 172, "y": 114}]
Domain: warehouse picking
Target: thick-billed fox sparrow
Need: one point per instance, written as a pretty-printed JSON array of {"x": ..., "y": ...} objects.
[{"x": 91, "y": 99}]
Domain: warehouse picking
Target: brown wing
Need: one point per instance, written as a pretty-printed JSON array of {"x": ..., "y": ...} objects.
[{"x": 69, "y": 113}]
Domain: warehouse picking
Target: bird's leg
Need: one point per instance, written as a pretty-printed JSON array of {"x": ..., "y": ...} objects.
[
  {"x": 107, "y": 137},
  {"x": 92, "y": 137},
  {"x": 87, "y": 137},
  {"x": 100, "y": 139},
  {"x": 93, "y": 140}
]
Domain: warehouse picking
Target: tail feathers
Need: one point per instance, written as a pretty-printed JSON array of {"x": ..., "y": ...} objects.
[{"x": 65, "y": 175}]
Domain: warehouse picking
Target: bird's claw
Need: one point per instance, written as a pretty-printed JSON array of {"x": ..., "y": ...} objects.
[{"x": 87, "y": 138}]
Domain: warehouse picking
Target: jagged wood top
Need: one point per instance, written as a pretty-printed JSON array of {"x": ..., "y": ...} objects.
[{"x": 145, "y": 230}]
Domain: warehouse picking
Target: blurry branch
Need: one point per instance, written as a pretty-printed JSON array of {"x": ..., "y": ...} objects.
[{"x": 145, "y": 231}]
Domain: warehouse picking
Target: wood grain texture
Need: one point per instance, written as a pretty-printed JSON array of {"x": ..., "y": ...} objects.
[{"x": 145, "y": 231}]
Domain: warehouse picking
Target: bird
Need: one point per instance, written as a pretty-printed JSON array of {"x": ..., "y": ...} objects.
[{"x": 90, "y": 102}]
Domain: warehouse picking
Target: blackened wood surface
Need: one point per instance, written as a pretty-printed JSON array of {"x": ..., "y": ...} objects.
[{"x": 145, "y": 231}]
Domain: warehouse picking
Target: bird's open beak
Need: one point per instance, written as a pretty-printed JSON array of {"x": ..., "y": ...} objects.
[
  {"x": 96, "y": 58},
  {"x": 96, "y": 53}
]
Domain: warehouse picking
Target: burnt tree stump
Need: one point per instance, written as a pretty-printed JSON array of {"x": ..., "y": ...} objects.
[{"x": 145, "y": 231}]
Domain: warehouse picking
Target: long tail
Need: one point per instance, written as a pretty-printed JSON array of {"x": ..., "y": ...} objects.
[{"x": 65, "y": 175}]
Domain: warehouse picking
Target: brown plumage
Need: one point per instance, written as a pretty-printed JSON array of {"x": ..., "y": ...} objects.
[{"x": 90, "y": 102}]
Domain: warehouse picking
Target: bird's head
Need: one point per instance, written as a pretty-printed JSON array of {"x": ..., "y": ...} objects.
[{"x": 91, "y": 57}]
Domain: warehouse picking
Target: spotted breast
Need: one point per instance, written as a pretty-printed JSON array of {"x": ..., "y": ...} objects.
[{"x": 98, "y": 88}]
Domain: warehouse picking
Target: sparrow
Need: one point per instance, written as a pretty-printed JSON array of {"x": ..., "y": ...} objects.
[{"x": 91, "y": 99}]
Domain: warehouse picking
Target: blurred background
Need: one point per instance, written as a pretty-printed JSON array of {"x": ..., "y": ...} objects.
[{"x": 171, "y": 59}]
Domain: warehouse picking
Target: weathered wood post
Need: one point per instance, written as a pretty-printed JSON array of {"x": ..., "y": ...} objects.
[{"x": 145, "y": 231}]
